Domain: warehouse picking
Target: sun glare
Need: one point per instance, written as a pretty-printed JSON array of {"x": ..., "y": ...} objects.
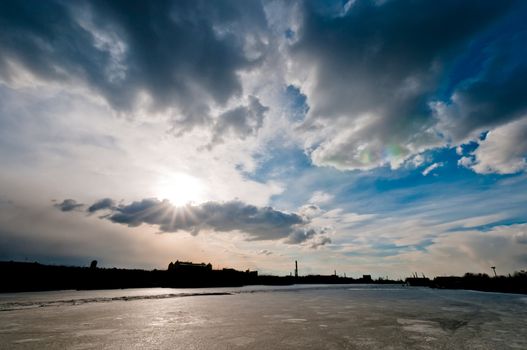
[{"x": 181, "y": 189}]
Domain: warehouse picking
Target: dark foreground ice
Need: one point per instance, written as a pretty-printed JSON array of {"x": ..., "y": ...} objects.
[{"x": 307, "y": 317}]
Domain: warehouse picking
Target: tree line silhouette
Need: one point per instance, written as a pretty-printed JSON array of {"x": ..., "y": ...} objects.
[{"x": 25, "y": 276}]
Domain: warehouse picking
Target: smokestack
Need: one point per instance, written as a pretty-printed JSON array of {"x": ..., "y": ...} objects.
[{"x": 296, "y": 268}]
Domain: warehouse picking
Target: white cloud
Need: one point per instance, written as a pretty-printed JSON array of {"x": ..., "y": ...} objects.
[
  {"x": 340, "y": 221},
  {"x": 417, "y": 160},
  {"x": 504, "y": 150},
  {"x": 466, "y": 162},
  {"x": 474, "y": 221},
  {"x": 320, "y": 197},
  {"x": 431, "y": 168}
]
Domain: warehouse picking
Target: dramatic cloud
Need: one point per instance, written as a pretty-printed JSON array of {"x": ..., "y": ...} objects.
[
  {"x": 260, "y": 223},
  {"x": 380, "y": 80},
  {"x": 503, "y": 151},
  {"x": 338, "y": 113},
  {"x": 181, "y": 57},
  {"x": 371, "y": 69},
  {"x": 68, "y": 205}
]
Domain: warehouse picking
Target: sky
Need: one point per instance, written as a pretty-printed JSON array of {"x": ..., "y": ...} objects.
[{"x": 376, "y": 137}]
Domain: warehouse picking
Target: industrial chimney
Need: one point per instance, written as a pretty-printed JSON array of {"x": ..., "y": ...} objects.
[{"x": 296, "y": 269}]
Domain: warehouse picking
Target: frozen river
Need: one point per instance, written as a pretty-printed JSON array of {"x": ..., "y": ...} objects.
[{"x": 293, "y": 317}]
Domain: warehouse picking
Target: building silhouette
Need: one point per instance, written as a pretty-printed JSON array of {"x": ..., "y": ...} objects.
[{"x": 186, "y": 266}]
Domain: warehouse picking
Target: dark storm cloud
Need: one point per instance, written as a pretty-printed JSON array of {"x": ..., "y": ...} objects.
[
  {"x": 260, "y": 223},
  {"x": 367, "y": 55},
  {"x": 185, "y": 55},
  {"x": 105, "y": 203},
  {"x": 68, "y": 205},
  {"x": 240, "y": 121},
  {"x": 385, "y": 60},
  {"x": 496, "y": 98},
  {"x": 384, "y": 79}
]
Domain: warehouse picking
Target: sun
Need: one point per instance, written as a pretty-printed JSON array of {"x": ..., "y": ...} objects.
[{"x": 180, "y": 189}]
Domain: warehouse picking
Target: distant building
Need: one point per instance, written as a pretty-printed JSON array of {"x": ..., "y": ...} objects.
[
  {"x": 367, "y": 278},
  {"x": 185, "y": 266}
]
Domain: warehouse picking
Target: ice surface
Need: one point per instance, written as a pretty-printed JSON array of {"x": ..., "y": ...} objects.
[{"x": 295, "y": 317}]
